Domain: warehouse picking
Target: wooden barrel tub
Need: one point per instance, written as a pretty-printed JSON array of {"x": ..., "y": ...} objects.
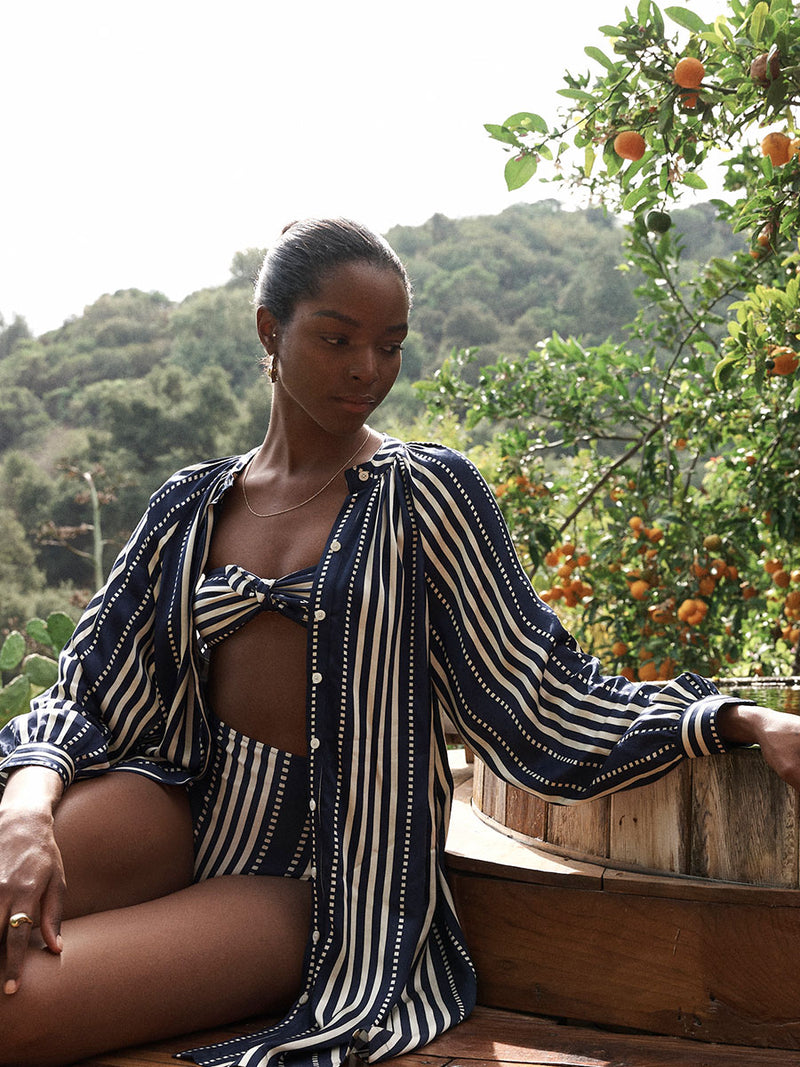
[{"x": 679, "y": 909}]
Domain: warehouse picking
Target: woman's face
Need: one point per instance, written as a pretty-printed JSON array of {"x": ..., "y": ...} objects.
[{"x": 340, "y": 353}]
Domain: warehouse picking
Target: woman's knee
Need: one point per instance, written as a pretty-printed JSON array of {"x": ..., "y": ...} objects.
[{"x": 124, "y": 839}]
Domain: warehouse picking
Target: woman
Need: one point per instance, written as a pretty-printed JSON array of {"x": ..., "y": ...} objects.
[{"x": 270, "y": 661}]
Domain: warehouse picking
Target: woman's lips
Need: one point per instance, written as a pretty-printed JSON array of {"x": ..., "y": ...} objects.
[{"x": 359, "y": 403}]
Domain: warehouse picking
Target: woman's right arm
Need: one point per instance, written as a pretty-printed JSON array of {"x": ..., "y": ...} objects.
[{"x": 31, "y": 871}]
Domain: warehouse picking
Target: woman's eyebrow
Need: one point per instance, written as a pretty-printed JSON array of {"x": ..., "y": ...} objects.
[{"x": 350, "y": 321}]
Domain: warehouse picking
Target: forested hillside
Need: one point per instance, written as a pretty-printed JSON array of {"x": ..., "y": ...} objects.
[{"x": 119, "y": 397}]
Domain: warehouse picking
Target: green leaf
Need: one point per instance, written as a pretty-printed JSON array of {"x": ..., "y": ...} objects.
[
  {"x": 15, "y": 698},
  {"x": 634, "y": 196},
  {"x": 526, "y": 120},
  {"x": 519, "y": 170},
  {"x": 12, "y": 651},
  {"x": 690, "y": 20},
  {"x": 694, "y": 181},
  {"x": 643, "y": 12},
  {"x": 589, "y": 157},
  {"x": 601, "y": 57},
  {"x": 500, "y": 133},
  {"x": 41, "y": 671},
  {"x": 577, "y": 94},
  {"x": 724, "y": 370},
  {"x": 60, "y": 627},
  {"x": 757, "y": 21}
]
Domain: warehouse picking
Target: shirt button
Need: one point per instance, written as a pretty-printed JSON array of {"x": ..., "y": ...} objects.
[
  {"x": 315, "y": 936},
  {"x": 312, "y": 805},
  {"x": 316, "y": 677},
  {"x": 315, "y": 742},
  {"x": 313, "y": 872},
  {"x": 319, "y": 615},
  {"x": 335, "y": 546},
  {"x": 363, "y": 475},
  {"x": 303, "y": 998}
]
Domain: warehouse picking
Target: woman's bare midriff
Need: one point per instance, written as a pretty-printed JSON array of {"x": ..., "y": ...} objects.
[{"x": 257, "y": 681}]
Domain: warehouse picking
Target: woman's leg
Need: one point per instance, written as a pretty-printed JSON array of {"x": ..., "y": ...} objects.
[
  {"x": 124, "y": 839},
  {"x": 200, "y": 957}
]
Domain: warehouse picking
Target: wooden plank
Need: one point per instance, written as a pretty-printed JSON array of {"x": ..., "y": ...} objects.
[
  {"x": 525, "y": 813},
  {"x": 651, "y": 826},
  {"x": 494, "y": 796},
  {"x": 745, "y": 821},
  {"x": 495, "y": 1037},
  {"x": 682, "y": 887},
  {"x": 581, "y": 828},
  {"x": 492, "y": 1038},
  {"x": 720, "y": 972}
]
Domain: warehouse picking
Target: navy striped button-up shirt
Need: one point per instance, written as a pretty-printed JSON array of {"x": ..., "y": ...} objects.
[{"x": 419, "y": 608}]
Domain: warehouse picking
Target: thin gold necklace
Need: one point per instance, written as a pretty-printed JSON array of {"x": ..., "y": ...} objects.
[{"x": 302, "y": 504}]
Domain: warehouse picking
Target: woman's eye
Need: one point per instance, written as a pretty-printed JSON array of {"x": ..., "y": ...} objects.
[
  {"x": 393, "y": 350},
  {"x": 334, "y": 340}
]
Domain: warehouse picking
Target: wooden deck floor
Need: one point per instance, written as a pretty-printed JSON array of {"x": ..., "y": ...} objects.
[{"x": 506, "y": 1038}]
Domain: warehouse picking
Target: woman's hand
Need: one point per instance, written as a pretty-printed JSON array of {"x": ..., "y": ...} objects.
[
  {"x": 777, "y": 733},
  {"x": 31, "y": 872}
]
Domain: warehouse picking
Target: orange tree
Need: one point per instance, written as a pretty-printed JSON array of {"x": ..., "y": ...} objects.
[{"x": 653, "y": 486}]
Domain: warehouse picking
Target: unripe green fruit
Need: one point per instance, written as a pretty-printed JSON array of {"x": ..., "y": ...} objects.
[{"x": 658, "y": 221}]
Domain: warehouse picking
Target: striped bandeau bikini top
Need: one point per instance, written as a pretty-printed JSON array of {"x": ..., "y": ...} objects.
[{"x": 228, "y": 597}]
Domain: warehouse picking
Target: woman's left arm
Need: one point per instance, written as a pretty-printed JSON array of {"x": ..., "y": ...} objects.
[{"x": 776, "y": 733}]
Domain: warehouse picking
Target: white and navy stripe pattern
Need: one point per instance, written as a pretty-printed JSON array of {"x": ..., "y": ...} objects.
[
  {"x": 230, "y": 596},
  {"x": 250, "y": 810},
  {"x": 419, "y": 606}
]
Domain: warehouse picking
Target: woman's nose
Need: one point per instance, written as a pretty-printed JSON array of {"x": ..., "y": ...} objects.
[{"x": 364, "y": 367}]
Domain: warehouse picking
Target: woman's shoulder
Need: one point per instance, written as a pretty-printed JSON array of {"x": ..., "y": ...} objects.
[
  {"x": 434, "y": 459},
  {"x": 190, "y": 484}
]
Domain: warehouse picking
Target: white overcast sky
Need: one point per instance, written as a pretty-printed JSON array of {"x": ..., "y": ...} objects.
[{"x": 145, "y": 143}]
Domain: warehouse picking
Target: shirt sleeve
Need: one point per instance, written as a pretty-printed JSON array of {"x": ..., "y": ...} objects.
[
  {"x": 105, "y": 699},
  {"x": 536, "y": 708}
]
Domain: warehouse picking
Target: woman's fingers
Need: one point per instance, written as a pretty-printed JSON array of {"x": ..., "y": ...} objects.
[
  {"x": 51, "y": 913},
  {"x": 18, "y": 932}
]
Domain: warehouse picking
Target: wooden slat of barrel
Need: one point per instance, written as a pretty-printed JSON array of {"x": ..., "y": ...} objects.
[
  {"x": 649, "y": 826},
  {"x": 745, "y": 821}
]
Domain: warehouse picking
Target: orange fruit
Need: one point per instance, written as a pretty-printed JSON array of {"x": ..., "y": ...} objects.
[
  {"x": 648, "y": 672},
  {"x": 618, "y": 649},
  {"x": 689, "y": 101},
  {"x": 793, "y": 600},
  {"x": 778, "y": 147},
  {"x": 631, "y": 145},
  {"x": 781, "y": 578},
  {"x": 782, "y": 360},
  {"x": 688, "y": 73},
  {"x": 765, "y": 68},
  {"x": 773, "y": 564},
  {"x": 680, "y": 444},
  {"x": 639, "y": 589}
]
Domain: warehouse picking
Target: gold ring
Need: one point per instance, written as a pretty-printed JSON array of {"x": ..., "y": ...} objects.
[{"x": 20, "y": 918}]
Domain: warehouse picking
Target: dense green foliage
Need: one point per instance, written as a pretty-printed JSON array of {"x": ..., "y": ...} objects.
[{"x": 653, "y": 485}]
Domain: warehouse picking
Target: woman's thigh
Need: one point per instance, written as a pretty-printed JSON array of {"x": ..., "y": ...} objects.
[
  {"x": 124, "y": 839},
  {"x": 214, "y": 952}
]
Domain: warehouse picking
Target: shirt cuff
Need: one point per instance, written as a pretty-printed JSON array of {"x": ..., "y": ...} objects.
[
  {"x": 39, "y": 754},
  {"x": 699, "y": 734}
]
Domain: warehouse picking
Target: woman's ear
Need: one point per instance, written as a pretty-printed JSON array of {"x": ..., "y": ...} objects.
[{"x": 267, "y": 326}]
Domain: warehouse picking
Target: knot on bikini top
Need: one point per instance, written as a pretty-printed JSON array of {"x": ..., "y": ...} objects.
[{"x": 228, "y": 597}]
